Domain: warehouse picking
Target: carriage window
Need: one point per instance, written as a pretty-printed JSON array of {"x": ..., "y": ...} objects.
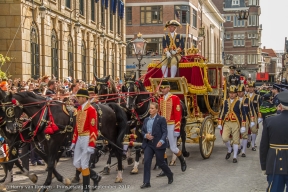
[
  {"x": 174, "y": 86},
  {"x": 212, "y": 77}
]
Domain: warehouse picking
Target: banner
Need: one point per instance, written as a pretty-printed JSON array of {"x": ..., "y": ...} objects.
[{"x": 262, "y": 77}]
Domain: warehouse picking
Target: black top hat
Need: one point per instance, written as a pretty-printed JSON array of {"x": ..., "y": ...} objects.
[
  {"x": 82, "y": 93},
  {"x": 172, "y": 22},
  {"x": 283, "y": 98},
  {"x": 165, "y": 84},
  {"x": 251, "y": 84},
  {"x": 241, "y": 87},
  {"x": 232, "y": 67},
  {"x": 232, "y": 89},
  {"x": 91, "y": 88}
]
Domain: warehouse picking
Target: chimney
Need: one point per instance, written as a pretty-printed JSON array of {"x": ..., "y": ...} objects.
[{"x": 264, "y": 47}]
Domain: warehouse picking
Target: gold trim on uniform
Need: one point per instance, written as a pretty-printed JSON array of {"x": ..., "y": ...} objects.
[
  {"x": 166, "y": 108},
  {"x": 92, "y": 121},
  {"x": 93, "y": 138},
  {"x": 84, "y": 134},
  {"x": 81, "y": 119},
  {"x": 178, "y": 108}
]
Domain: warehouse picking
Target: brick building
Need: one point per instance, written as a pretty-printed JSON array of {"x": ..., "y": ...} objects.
[
  {"x": 242, "y": 38},
  {"x": 202, "y": 17},
  {"x": 52, "y": 44}
]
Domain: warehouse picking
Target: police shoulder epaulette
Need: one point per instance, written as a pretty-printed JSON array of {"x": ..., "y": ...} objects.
[{"x": 272, "y": 115}]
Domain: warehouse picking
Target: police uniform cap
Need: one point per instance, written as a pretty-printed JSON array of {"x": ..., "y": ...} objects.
[
  {"x": 232, "y": 67},
  {"x": 283, "y": 98},
  {"x": 276, "y": 86},
  {"x": 172, "y": 22},
  {"x": 267, "y": 96},
  {"x": 165, "y": 84},
  {"x": 241, "y": 87},
  {"x": 82, "y": 93},
  {"x": 233, "y": 89}
]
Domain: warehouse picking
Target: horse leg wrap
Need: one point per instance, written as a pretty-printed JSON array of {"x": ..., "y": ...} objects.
[{"x": 119, "y": 178}]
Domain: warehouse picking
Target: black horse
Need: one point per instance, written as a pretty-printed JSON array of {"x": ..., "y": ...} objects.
[
  {"x": 12, "y": 138},
  {"x": 138, "y": 100}
]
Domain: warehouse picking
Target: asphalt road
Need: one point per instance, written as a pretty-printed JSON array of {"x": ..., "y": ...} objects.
[{"x": 213, "y": 174}]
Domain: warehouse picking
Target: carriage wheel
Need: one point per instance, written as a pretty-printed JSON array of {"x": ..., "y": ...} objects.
[{"x": 207, "y": 137}]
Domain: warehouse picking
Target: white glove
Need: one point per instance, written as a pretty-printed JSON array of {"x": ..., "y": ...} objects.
[
  {"x": 260, "y": 120},
  {"x": 72, "y": 147},
  {"x": 219, "y": 127},
  {"x": 252, "y": 124},
  {"x": 90, "y": 150},
  {"x": 242, "y": 130},
  {"x": 173, "y": 52},
  {"x": 168, "y": 54}
]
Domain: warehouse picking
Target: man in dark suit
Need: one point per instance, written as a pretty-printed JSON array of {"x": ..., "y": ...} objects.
[
  {"x": 154, "y": 131},
  {"x": 274, "y": 147}
]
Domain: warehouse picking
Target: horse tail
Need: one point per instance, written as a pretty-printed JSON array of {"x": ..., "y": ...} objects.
[{"x": 121, "y": 121}]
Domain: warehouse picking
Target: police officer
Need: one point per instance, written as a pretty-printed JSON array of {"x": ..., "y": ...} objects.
[
  {"x": 274, "y": 147},
  {"x": 275, "y": 90},
  {"x": 231, "y": 118},
  {"x": 170, "y": 109},
  {"x": 84, "y": 137},
  {"x": 256, "y": 102},
  {"x": 249, "y": 112},
  {"x": 233, "y": 79},
  {"x": 267, "y": 107},
  {"x": 173, "y": 45}
]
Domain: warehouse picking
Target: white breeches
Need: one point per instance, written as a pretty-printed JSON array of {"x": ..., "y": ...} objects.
[
  {"x": 172, "y": 139},
  {"x": 81, "y": 156}
]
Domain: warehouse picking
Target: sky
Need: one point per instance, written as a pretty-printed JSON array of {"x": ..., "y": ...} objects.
[{"x": 275, "y": 26}]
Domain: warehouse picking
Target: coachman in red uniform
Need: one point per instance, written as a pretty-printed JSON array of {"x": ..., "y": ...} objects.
[{"x": 84, "y": 137}]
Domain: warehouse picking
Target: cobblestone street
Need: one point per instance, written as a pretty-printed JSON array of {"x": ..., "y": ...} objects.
[{"x": 214, "y": 174}]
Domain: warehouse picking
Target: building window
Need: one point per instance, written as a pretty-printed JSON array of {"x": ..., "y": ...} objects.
[
  {"x": 151, "y": 15},
  {"x": 83, "y": 60},
  {"x": 238, "y": 23},
  {"x": 235, "y": 2},
  {"x": 70, "y": 58},
  {"x": 103, "y": 14},
  {"x": 254, "y": 2},
  {"x": 119, "y": 26},
  {"x": 68, "y": 3},
  {"x": 104, "y": 62},
  {"x": 93, "y": 10},
  {"x": 252, "y": 35},
  {"x": 128, "y": 15},
  {"x": 113, "y": 64},
  {"x": 194, "y": 42},
  {"x": 111, "y": 15},
  {"x": 154, "y": 46},
  {"x": 182, "y": 14},
  {"x": 54, "y": 54},
  {"x": 194, "y": 24},
  {"x": 239, "y": 40},
  {"x": 35, "y": 62},
  {"x": 228, "y": 18},
  {"x": 253, "y": 20},
  {"x": 228, "y": 36},
  {"x": 238, "y": 59},
  {"x": 95, "y": 60},
  {"x": 81, "y": 7},
  {"x": 252, "y": 59},
  {"x": 254, "y": 42},
  {"x": 129, "y": 48}
]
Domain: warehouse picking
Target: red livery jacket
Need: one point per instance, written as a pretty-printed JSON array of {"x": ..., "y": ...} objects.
[
  {"x": 86, "y": 124},
  {"x": 170, "y": 109}
]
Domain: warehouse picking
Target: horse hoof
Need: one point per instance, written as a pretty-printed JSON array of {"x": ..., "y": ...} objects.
[
  {"x": 178, "y": 144},
  {"x": 118, "y": 180},
  {"x": 134, "y": 171},
  {"x": 106, "y": 171},
  {"x": 33, "y": 177},
  {"x": 67, "y": 182},
  {"x": 3, "y": 180},
  {"x": 75, "y": 180},
  {"x": 130, "y": 161},
  {"x": 186, "y": 154}
]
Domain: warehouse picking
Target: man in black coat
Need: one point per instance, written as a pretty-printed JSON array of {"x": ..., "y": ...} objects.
[
  {"x": 154, "y": 132},
  {"x": 274, "y": 147}
]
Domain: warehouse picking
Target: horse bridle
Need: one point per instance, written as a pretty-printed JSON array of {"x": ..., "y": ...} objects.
[{"x": 107, "y": 86}]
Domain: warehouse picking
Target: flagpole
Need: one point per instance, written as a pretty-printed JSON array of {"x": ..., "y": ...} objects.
[{"x": 187, "y": 25}]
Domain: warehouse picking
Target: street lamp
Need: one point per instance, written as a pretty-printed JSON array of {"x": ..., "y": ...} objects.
[
  {"x": 42, "y": 10},
  {"x": 242, "y": 15},
  {"x": 139, "y": 45}
]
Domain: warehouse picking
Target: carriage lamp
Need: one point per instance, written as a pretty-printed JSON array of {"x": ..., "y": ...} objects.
[
  {"x": 242, "y": 15},
  {"x": 77, "y": 27},
  {"x": 139, "y": 45},
  {"x": 42, "y": 10}
]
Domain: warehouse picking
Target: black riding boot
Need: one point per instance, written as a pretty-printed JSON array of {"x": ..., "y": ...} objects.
[
  {"x": 76, "y": 179},
  {"x": 86, "y": 183},
  {"x": 95, "y": 178},
  {"x": 182, "y": 161},
  {"x": 162, "y": 174}
]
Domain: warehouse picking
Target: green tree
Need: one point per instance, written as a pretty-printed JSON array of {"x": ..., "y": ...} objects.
[{"x": 3, "y": 60}]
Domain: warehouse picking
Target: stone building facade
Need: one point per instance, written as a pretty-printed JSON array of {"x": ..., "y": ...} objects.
[
  {"x": 53, "y": 45},
  {"x": 203, "y": 19}
]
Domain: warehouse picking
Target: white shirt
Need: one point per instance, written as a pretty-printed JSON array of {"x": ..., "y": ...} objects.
[
  {"x": 240, "y": 98},
  {"x": 231, "y": 100},
  {"x": 84, "y": 104},
  {"x": 166, "y": 96},
  {"x": 172, "y": 34},
  {"x": 250, "y": 94}
]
